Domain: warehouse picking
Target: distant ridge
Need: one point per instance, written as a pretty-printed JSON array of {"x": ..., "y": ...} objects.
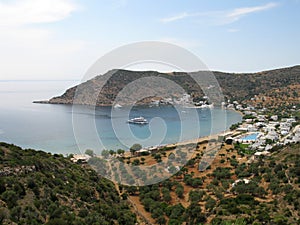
[{"x": 237, "y": 86}]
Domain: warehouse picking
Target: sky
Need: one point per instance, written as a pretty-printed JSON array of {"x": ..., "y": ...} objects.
[{"x": 61, "y": 39}]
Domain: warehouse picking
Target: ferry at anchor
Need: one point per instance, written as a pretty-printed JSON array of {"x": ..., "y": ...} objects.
[{"x": 138, "y": 120}]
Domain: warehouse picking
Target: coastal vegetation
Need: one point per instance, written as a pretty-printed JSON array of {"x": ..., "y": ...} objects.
[
  {"x": 221, "y": 182},
  {"x": 237, "y": 187},
  {"x": 263, "y": 191},
  {"x": 40, "y": 188}
]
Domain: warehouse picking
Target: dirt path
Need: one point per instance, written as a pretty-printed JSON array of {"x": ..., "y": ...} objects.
[{"x": 140, "y": 211}]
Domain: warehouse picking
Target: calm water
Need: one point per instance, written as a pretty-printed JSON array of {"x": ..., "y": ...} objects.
[
  {"x": 53, "y": 128},
  {"x": 250, "y": 137}
]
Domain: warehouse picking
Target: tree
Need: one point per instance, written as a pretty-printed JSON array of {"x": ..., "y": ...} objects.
[
  {"x": 3, "y": 215},
  {"x": 196, "y": 195},
  {"x": 135, "y": 147},
  {"x": 147, "y": 202},
  {"x": 105, "y": 153},
  {"x": 120, "y": 151},
  {"x": 161, "y": 220},
  {"x": 191, "y": 162},
  {"x": 157, "y": 212},
  {"x": 222, "y": 173},
  {"x": 16, "y": 213},
  {"x": 57, "y": 221},
  {"x": 112, "y": 152},
  {"x": 196, "y": 182},
  {"x": 132, "y": 190},
  {"x": 11, "y": 198},
  {"x": 2, "y": 187},
  {"x": 179, "y": 190},
  {"x": 177, "y": 212},
  {"x": 136, "y": 162},
  {"x": 194, "y": 214},
  {"x": 210, "y": 203},
  {"x": 234, "y": 126},
  {"x": 125, "y": 218},
  {"x": 89, "y": 152},
  {"x": 166, "y": 195},
  {"x": 157, "y": 156},
  {"x": 31, "y": 183}
]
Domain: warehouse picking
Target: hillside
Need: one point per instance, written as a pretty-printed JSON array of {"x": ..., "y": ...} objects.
[
  {"x": 40, "y": 188},
  {"x": 234, "y": 86},
  {"x": 266, "y": 190}
]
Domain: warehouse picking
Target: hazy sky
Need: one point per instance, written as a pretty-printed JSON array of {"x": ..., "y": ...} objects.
[{"x": 60, "y": 39}]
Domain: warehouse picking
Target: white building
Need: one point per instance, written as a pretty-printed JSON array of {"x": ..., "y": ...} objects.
[
  {"x": 83, "y": 158},
  {"x": 272, "y": 135},
  {"x": 261, "y": 118},
  {"x": 249, "y": 120},
  {"x": 246, "y": 181},
  {"x": 258, "y": 154},
  {"x": 291, "y": 120},
  {"x": 251, "y": 128},
  {"x": 274, "y": 117}
]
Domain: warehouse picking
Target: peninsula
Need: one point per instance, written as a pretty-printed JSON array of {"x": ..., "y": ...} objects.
[{"x": 257, "y": 88}]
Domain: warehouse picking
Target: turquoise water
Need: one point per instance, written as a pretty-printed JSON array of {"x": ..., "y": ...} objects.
[
  {"x": 53, "y": 127},
  {"x": 250, "y": 137}
]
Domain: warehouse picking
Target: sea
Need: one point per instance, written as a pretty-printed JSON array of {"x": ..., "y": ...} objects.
[{"x": 65, "y": 129}]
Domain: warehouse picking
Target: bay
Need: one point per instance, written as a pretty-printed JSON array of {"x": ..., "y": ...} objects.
[{"x": 63, "y": 129}]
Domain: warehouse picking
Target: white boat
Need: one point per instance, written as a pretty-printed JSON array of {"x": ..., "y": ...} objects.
[
  {"x": 204, "y": 106},
  {"x": 138, "y": 120},
  {"x": 207, "y": 106},
  {"x": 117, "y": 106}
]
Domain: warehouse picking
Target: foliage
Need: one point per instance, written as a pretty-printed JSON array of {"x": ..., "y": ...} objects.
[
  {"x": 89, "y": 152},
  {"x": 234, "y": 86},
  {"x": 135, "y": 147},
  {"x": 270, "y": 197},
  {"x": 56, "y": 191}
]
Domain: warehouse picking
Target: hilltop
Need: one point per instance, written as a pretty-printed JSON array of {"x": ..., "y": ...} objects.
[{"x": 262, "y": 88}]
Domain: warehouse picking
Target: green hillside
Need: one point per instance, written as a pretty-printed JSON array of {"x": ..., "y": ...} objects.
[
  {"x": 40, "y": 188},
  {"x": 266, "y": 191}
]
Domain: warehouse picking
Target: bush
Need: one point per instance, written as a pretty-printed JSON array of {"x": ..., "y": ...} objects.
[
  {"x": 222, "y": 173},
  {"x": 196, "y": 196},
  {"x": 179, "y": 190},
  {"x": 10, "y": 197},
  {"x": 135, "y": 147},
  {"x": 210, "y": 203}
]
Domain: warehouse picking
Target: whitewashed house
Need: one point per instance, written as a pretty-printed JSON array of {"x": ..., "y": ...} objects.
[
  {"x": 274, "y": 117},
  {"x": 272, "y": 135}
]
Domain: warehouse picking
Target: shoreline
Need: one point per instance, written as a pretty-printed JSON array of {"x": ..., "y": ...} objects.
[
  {"x": 204, "y": 138},
  {"x": 195, "y": 141},
  {"x": 235, "y": 110},
  {"x": 67, "y": 149}
]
